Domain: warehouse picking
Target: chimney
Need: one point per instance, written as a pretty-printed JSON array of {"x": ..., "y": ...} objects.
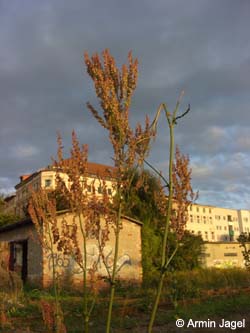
[{"x": 23, "y": 177}]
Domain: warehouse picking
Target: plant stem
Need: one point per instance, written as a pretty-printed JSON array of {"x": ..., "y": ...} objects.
[
  {"x": 55, "y": 287},
  {"x": 85, "y": 295},
  {"x": 166, "y": 229},
  {"x": 113, "y": 277}
]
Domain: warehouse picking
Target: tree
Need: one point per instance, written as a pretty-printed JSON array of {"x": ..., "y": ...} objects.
[
  {"x": 188, "y": 256},
  {"x": 244, "y": 240},
  {"x": 141, "y": 200},
  {"x": 141, "y": 203},
  {"x": 6, "y": 218}
]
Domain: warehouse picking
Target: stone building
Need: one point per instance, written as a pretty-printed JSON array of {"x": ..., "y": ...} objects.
[{"x": 21, "y": 248}]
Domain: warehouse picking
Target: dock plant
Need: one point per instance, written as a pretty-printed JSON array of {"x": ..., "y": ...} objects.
[{"x": 114, "y": 89}]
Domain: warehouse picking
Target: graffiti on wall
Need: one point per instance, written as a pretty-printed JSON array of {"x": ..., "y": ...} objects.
[
  {"x": 218, "y": 263},
  {"x": 93, "y": 257}
]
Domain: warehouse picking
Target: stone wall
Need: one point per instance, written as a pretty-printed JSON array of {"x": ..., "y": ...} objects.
[
  {"x": 129, "y": 257},
  {"x": 34, "y": 257},
  {"x": 223, "y": 255},
  {"x": 40, "y": 262}
]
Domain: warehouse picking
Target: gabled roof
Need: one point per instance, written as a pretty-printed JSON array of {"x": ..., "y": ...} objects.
[
  {"x": 93, "y": 169},
  {"x": 96, "y": 169}
]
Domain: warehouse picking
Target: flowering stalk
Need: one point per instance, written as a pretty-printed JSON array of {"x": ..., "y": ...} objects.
[
  {"x": 114, "y": 89},
  {"x": 87, "y": 208},
  {"x": 42, "y": 210}
]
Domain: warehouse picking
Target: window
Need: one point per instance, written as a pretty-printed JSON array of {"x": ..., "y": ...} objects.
[
  {"x": 47, "y": 182},
  {"x": 212, "y": 235},
  {"x": 99, "y": 189},
  {"x": 225, "y": 228},
  {"x": 230, "y": 254},
  {"x": 89, "y": 188},
  {"x": 191, "y": 218},
  {"x": 198, "y": 219},
  {"x": 204, "y": 210},
  {"x": 197, "y": 209},
  {"x": 109, "y": 191},
  {"x": 190, "y": 208},
  {"x": 206, "y": 235},
  {"x": 210, "y": 211}
]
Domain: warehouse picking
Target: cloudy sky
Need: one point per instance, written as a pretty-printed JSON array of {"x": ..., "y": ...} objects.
[{"x": 200, "y": 46}]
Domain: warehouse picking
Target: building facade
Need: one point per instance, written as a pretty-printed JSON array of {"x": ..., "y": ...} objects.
[
  {"x": 46, "y": 178},
  {"x": 216, "y": 224},
  {"x": 26, "y": 256},
  {"x": 223, "y": 255}
]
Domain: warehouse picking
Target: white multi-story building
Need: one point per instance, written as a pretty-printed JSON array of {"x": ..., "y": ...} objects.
[
  {"x": 216, "y": 224},
  {"x": 46, "y": 178}
]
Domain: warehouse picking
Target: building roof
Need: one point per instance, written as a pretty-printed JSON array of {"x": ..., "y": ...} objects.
[
  {"x": 9, "y": 198},
  {"x": 96, "y": 169},
  {"x": 93, "y": 169},
  {"x": 28, "y": 221},
  {"x": 15, "y": 225}
]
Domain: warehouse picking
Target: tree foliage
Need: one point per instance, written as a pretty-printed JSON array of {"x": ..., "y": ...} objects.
[
  {"x": 6, "y": 218},
  {"x": 244, "y": 240},
  {"x": 140, "y": 201},
  {"x": 142, "y": 204}
]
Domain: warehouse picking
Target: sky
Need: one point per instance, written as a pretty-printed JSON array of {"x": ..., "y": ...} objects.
[{"x": 201, "y": 47}]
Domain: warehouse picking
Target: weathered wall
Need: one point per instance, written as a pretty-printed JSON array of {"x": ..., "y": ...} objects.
[
  {"x": 129, "y": 257},
  {"x": 34, "y": 258},
  {"x": 223, "y": 255}
]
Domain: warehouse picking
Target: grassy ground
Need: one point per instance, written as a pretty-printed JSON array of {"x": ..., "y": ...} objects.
[{"x": 131, "y": 312}]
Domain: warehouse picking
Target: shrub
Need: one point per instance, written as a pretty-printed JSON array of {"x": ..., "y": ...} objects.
[{"x": 189, "y": 284}]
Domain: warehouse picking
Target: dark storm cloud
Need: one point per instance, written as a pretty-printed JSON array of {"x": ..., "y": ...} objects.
[{"x": 202, "y": 47}]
